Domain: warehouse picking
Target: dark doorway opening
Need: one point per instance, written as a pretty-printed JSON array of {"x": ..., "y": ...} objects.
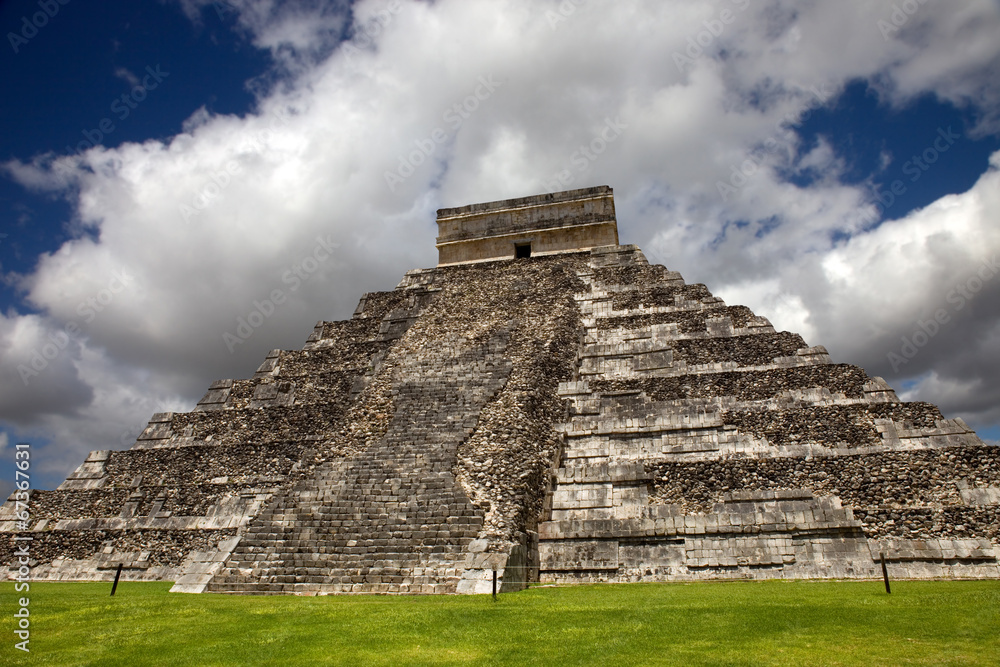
[{"x": 522, "y": 250}]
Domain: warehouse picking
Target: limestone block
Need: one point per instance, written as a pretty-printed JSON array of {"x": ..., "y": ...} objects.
[
  {"x": 975, "y": 497},
  {"x": 579, "y": 555},
  {"x": 653, "y": 360},
  {"x": 570, "y": 496}
]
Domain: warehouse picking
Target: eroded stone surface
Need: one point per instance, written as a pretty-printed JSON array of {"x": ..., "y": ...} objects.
[
  {"x": 578, "y": 416},
  {"x": 739, "y": 452}
]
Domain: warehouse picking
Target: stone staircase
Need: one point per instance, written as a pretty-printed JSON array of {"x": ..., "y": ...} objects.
[{"x": 391, "y": 519}]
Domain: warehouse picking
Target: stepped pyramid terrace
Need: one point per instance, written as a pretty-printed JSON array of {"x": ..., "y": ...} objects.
[{"x": 545, "y": 404}]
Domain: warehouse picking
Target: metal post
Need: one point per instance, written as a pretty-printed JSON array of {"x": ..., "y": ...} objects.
[
  {"x": 885, "y": 572},
  {"x": 494, "y": 585},
  {"x": 114, "y": 586}
]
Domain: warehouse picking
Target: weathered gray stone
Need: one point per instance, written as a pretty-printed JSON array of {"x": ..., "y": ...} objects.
[{"x": 575, "y": 416}]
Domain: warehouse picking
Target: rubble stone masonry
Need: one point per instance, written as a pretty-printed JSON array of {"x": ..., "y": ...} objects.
[{"x": 575, "y": 416}]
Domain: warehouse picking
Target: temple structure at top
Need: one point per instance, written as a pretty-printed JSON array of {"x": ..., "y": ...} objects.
[{"x": 547, "y": 224}]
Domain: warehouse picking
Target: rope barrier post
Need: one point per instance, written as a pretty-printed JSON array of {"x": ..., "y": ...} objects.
[
  {"x": 885, "y": 572},
  {"x": 114, "y": 586},
  {"x": 494, "y": 584}
]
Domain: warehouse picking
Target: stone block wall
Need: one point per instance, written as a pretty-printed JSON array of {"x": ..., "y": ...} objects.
[
  {"x": 700, "y": 443},
  {"x": 549, "y": 224},
  {"x": 575, "y": 417}
]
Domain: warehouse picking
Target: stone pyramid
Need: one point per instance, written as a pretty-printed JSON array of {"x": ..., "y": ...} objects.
[{"x": 543, "y": 404}]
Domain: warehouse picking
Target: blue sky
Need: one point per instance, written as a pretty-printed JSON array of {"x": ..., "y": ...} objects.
[
  {"x": 881, "y": 144},
  {"x": 64, "y": 81},
  {"x": 268, "y": 128}
]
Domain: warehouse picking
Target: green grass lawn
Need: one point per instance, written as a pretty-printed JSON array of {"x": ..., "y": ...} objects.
[{"x": 724, "y": 623}]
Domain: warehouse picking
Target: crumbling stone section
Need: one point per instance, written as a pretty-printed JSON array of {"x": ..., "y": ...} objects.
[
  {"x": 242, "y": 463},
  {"x": 921, "y": 495},
  {"x": 505, "y": 460},
  {"x": 928, "y": 478},
  {"x": 78, "y": 504},
  {"x": 629, "y": 274},
  {"x": 94, "y": 555},
  {"x": 845, "y": 426},
  {"x": 923, "y": 523},
  {"x": 661, "y": 296},
  {"x": 279, "y": 424},
  {"x": 756, "y": 350},
  {"x": 687, "y": 321},
  {"x": 743, "y": 385}
]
